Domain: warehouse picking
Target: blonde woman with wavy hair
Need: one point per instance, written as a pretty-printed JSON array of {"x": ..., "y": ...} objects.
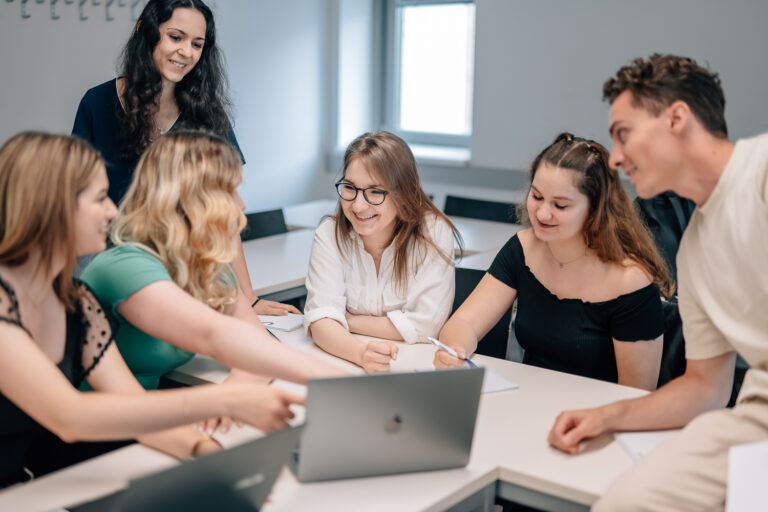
[
  {"x": 180, "y": 210},
  {"x": 54, "y": 335},
  {"x": 168, "y": 280}
]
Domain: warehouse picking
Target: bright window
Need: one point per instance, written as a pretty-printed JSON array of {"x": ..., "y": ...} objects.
[{"x": 431, "y": 69}]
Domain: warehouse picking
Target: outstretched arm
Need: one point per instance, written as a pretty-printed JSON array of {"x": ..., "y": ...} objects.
[
  {"x": 167, "y": 312},
  {"x": 705, "y": 385},
  {"x": 30, "y": 380}
]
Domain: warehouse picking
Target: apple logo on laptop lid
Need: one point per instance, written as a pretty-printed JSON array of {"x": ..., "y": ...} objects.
[{"x": 392, "y": 425}]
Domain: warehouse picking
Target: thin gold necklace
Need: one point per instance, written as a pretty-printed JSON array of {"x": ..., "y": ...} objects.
[{"x": 564, "y": 263}]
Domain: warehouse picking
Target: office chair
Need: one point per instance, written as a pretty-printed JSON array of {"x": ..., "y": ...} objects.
[
  {"x": 673, "y": 353},
  {"x": 480, "y": 209},
  {"x": 496, "y": 342},
  {"x": 261, "y": 224}
]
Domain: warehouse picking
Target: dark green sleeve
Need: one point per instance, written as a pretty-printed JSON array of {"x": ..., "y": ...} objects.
[{"x": 121, "y": 271}]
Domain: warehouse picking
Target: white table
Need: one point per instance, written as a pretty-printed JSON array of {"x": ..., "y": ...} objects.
[
  {"x": 278, "y": 262},
  {"x": 483, "y": 235},
  {"x": 479, "y": 235},
  {"x": 308, "y": 215},
  {"x": 510, "y": 455},
  {"x": 477, "y": 261}
]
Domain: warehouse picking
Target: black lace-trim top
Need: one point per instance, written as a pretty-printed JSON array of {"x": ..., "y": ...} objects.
[{"x": 89, "y": 332}]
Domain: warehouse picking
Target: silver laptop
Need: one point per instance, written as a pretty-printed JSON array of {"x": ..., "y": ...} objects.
[
  {"x": 388, "y": 423},
  {"x": 236, "y": 480}
]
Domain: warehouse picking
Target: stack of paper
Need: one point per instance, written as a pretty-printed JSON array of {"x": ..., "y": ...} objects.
[{"x": 747, "y": 475}]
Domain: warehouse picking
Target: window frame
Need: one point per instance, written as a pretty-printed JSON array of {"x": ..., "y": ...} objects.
[{"x": 390, "y": 114}]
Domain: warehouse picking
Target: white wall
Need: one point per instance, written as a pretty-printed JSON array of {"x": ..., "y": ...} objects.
[
  {"x": 540, "y": 65},
  {"x": 48, "y": 64},
  {"x": 539, "y": 69},
  {"x": 276, "y": 53}
]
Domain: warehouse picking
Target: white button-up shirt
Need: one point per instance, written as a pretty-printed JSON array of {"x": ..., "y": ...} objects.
[{"x": 338, "y": 282}]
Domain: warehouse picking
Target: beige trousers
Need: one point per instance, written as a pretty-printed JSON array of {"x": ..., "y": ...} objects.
[{"x": 688, "y": 472}]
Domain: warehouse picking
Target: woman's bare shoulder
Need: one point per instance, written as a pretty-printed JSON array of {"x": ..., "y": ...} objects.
[{"x": 629, "y": 276}]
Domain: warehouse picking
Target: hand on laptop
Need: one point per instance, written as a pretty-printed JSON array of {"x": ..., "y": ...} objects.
[
  {"x": 378, "y": 355},
  {"x": 260, "y": 406}
]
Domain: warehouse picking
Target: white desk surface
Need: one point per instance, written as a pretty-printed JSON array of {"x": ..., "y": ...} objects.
[
  {"x": 477, "y": 261},
  {"x": 509, "y": 445},
  {"x": 479, "y": 235},
  {"x": 308, "y": 215},
  {"x": 484, "y": 235},
  {"x": 278, "y": 262}
]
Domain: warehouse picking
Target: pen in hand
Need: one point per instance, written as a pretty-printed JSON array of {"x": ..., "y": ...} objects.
[{"x": 445, "y": 348}]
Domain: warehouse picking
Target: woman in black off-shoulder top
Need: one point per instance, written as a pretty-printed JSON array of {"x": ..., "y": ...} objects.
[{"x": 586, "y": 276}]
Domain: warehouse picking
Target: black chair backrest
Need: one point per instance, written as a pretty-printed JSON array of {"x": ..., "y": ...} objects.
[
  {"x": 667, "y": 216},
  {"x": 480, "y": 209},
  {"x": 261, "y": 224},
  {"x": 673, "y": 354},
  {"x": 496, "y": 342}
]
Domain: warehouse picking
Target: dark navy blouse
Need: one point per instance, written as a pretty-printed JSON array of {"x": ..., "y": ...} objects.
[{"x": 98, "y": 120}]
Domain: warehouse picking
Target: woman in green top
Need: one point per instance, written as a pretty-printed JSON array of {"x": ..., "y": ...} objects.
[
  {"x": 53, "y": 334},
  {"x": 168, "y": 279}
]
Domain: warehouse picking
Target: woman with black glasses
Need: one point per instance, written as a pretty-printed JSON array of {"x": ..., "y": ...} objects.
[{"x": 382, "y": 266}]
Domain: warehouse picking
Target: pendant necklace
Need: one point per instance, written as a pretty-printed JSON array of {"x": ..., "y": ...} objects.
[{"x": 562, "y": 264}]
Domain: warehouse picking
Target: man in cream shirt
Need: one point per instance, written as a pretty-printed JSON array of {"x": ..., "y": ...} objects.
[{"x": 669, "y": 133}]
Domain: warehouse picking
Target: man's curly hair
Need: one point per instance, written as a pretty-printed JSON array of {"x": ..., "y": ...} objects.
[{"x": 660, "y": 80}]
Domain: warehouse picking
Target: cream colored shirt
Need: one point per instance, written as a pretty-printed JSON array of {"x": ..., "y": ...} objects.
[
  {"x": 339, "y": 282},
  {"x": 723, "y": 267}
]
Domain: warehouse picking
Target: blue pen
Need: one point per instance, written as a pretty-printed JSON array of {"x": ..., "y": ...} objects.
[{"x": 442, "y": 346}]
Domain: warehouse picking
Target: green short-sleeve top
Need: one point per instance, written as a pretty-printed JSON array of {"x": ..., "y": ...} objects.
[{"x": 113, "y": 276}]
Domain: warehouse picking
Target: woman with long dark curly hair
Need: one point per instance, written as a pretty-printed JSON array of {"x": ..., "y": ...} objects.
[
  {"x": 171, "y": 78},
  {"x": 586, "y": 276}
]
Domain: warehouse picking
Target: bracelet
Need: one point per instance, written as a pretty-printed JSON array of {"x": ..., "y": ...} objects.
[
  {"x": 202, "y": 439},
  {"x": 256, "y": 301}
]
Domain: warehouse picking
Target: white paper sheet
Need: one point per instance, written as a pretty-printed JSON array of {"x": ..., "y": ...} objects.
[
  {"x": 747, "y": 475},
  {"x": 287, "y": 322},
  {"x": 492, "y": 381},
  {"x": 638, "y": 444}
]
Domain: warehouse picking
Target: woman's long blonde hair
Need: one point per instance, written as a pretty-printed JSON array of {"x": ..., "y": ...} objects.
[
  {"x": 181, "y": 207},
  {"x": 41, "y": 176}
]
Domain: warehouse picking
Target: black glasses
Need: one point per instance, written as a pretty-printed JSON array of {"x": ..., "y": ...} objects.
[{"x": 348, "y": 192}]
